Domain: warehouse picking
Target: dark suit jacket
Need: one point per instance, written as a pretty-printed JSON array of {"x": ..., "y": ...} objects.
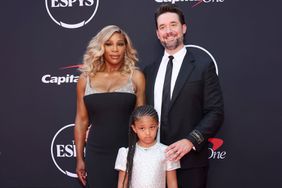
[{"x": 196, "y": 109}]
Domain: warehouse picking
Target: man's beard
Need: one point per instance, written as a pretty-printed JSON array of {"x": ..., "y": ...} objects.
[{"x": 172, "y": 45}]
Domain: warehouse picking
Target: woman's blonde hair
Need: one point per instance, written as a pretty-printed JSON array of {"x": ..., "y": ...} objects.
[{"x": 93, "y": 60}]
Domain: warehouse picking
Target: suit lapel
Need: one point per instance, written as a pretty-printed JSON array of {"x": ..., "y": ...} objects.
[{"x": 183, "y": 75}]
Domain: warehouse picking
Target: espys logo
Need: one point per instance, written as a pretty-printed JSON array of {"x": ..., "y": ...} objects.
[
  {"x": 71, "y": 14},
  {"x": 196, "y": 2},
  {"x": 215, "y": 153},
  {"x": 63, "y": 151},
  {"x": 207, "y": 52},
  {"x": 58, "y": 80}
]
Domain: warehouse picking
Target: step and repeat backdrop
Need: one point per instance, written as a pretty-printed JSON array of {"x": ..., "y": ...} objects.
[{"x": 43, "y": 41}]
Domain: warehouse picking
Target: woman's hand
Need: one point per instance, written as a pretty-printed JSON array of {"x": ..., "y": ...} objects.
[{"x": 81, "y": 172}]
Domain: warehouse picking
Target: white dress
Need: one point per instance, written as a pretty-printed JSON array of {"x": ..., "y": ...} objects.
[{"x": 149, "y": 166}]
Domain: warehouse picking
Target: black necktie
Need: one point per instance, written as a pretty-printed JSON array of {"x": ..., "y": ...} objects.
[{"x": 166, "y": 96}]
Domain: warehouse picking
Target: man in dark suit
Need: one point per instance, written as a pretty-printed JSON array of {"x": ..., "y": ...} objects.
[{"x": 184, "y": 89}]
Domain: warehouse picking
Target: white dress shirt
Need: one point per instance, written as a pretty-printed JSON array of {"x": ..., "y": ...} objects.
[{"x": 177, "y": 62}]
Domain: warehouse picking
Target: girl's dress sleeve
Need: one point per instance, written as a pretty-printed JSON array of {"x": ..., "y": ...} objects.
[
  {"x": 121, "y": 159},
  {"x": 171, "y": 165}
]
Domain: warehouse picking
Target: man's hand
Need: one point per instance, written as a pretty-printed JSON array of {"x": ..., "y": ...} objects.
[{"x": 177, "y": 150}]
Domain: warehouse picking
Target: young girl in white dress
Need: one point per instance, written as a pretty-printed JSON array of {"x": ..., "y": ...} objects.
[{"x": 143, "y": 164}]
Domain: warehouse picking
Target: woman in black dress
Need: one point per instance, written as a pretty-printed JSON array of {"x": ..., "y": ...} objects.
[{"x": 108, "y": 90}]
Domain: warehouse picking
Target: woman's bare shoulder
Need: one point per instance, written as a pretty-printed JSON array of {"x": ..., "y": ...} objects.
[
  {"x": 82, "y": 80},
  {"x": 137, "y": 74}
]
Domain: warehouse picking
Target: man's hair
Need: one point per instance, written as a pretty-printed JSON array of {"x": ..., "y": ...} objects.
[{"x": 164, "y": 8}]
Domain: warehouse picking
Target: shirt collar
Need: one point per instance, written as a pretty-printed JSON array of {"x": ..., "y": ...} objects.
[{"x": 178, "y": 54}]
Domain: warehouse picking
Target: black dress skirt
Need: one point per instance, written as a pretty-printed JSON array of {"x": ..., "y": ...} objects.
[{"x": 109, "y": 115}]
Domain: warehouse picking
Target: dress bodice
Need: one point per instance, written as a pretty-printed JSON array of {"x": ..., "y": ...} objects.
[
  {"x": 126, "y": 88},
  {"x": 109, "y": 114}
]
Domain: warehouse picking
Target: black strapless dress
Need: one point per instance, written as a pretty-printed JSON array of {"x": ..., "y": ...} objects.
[{"x": 109, "y": 115}]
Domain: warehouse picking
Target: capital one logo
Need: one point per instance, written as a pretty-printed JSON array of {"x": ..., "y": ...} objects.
[
  {"x": 214, "y": 152},
  {"x": 71, "y": 14},
  {"x": 63, "y": 151},
  {"x": 196, "y": 2},
  {"x": 61, "y": 79}
]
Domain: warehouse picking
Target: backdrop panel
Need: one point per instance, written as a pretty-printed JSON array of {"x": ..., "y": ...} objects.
[{"x": 41, "y": 41}]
